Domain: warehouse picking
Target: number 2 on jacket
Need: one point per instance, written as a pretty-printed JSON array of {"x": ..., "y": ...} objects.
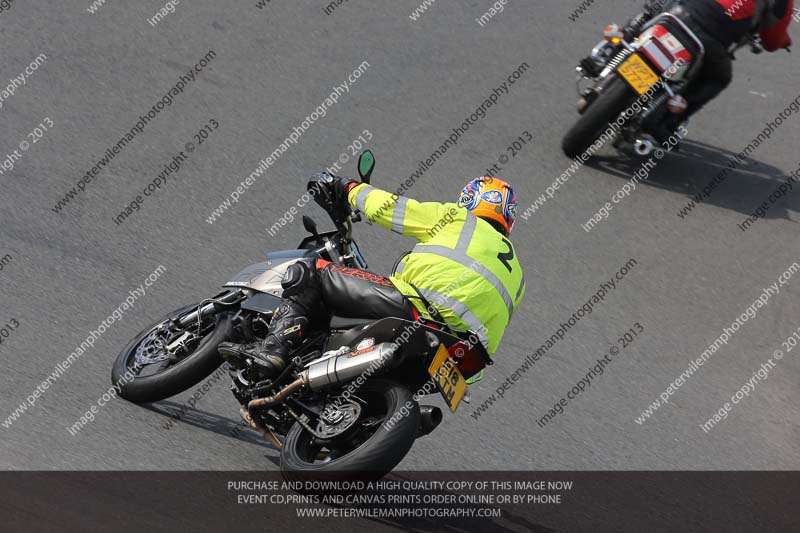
[{"x": 505, "y": 257}]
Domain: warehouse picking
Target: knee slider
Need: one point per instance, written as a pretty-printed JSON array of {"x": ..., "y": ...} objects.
[{"x": 297, "y": 278}]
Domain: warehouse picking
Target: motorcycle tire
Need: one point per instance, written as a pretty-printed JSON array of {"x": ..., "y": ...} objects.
[
  {"x": 374, "y": 458},
  {"x": 175, "y": 378},
  {"x": 597, "y": 117}
]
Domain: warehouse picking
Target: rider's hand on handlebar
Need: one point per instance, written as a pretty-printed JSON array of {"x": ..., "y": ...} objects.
[
  {"x": 334, "y": 191},
  {"x": 756, "y": 46},
  {"x": 341, "y": 191},
  {"x": 341, "y": 188}
]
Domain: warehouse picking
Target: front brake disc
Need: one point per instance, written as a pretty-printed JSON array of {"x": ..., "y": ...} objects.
[{"x": 153, "y": 349}]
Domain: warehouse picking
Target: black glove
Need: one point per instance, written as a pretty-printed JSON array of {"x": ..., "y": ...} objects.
[
  {"x": 633, "y": 27},
  {"x": 334, "y": 197},
  {"x": 655, "y": 7},
  {"x": 340, "y": 188}
]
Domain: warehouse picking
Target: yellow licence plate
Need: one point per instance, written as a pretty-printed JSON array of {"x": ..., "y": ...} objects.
[
  {"x": 447, "y": 375},
  {"x": 638, "y": 74}
]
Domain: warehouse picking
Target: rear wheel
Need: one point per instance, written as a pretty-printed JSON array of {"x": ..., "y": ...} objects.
[
  {"x": 147, "y": 371},
  {"x": 380, "y": 439},
  {"x": 597, "y": 117}
]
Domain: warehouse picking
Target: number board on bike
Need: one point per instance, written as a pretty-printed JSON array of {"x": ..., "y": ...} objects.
[
  {"x": 638, "y": 74},
  {"x": 446, "y": 374}
]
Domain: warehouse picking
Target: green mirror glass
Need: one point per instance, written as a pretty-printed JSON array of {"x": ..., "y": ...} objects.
[{"x": 366, "y": 164}]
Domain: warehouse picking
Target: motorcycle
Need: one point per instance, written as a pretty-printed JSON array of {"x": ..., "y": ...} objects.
[
  {"x": 346, "y": 405},
  {"x": 634, "y": 74}
]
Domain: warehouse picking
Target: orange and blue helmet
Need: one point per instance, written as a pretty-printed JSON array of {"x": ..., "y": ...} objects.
[{"x": 490, "y": 198}]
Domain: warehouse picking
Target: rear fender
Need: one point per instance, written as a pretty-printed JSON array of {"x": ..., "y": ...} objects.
[{"x": 672, "y": 47}]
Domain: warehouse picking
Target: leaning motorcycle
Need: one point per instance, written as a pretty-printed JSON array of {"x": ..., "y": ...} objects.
[
  {"x": 347, "y": 403},
  {"x": 634, "y": 74}
]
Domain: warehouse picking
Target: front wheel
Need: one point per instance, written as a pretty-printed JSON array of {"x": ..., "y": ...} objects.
[
  {"x": 597, "y": 117},
  {"x": 384, "y": 433},
  {"x": 164, "y": 360}
]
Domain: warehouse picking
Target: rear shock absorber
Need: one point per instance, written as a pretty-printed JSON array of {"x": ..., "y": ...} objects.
[{"x": 615, "y": 62}]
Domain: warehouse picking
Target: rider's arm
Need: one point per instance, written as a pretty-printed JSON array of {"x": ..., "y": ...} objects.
[
  {"x": 777, "y": 37},
  {"x": 634, "y": 26},
  {"x": 653, "y": 8},
  {"x": 402, "y": 215}
]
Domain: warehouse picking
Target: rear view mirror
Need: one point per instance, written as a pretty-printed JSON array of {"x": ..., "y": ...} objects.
[
  {"x": 309, "y": 224},
  {"x": 311, "y": 227},
  {"x": 366, "y": 164}
]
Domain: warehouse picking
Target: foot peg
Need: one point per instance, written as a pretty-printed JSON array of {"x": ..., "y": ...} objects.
[{"x": 643, "y": 147}]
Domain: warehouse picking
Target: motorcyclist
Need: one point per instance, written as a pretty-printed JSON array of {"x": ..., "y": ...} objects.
[
  {"x": 464, "y": 271},
  {"x": 722, "y": 26}
]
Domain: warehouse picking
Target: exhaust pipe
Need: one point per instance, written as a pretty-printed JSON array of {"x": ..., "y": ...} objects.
[
  {"x": 279, "y": 396},
  {"x": 429, "y": 419},
  {"x": 248, "y": 413},
  {"x": 348, "y": 366},
  {"x": 643, "y": 147},
  {"x": 255, "y": 423}
]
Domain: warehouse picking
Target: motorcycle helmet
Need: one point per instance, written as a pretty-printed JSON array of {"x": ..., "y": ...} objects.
[{"x": 491, "y": 199}]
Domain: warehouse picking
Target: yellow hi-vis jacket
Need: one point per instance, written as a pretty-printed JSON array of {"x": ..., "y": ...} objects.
[{"x": 463, "y": 266}]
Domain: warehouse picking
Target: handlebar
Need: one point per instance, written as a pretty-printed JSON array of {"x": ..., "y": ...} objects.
[
  {"x": 756, "y": 46},
  {"x": 320, "y": 187}
]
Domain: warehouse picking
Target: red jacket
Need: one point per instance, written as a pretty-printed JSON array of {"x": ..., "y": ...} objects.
[{"x": 773, "y": 31}]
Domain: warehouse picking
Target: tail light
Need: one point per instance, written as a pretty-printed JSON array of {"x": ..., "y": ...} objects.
[
  {"x": 468, "y": 360},
  {"x": 663, "y": 49}
]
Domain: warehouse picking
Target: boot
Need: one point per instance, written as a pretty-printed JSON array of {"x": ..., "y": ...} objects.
[{"x": 285, "y": 334}]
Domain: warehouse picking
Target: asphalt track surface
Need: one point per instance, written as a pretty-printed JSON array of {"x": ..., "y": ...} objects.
[{"x": 273, "y": 67}]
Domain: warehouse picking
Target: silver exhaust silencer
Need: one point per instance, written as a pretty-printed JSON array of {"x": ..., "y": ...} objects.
[
  {"x": 643, "y": 146},
  {"x": 348, "y": 366}
]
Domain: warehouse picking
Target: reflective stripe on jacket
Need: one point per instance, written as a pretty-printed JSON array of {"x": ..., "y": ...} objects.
[{"x": 463, "y": 266}]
